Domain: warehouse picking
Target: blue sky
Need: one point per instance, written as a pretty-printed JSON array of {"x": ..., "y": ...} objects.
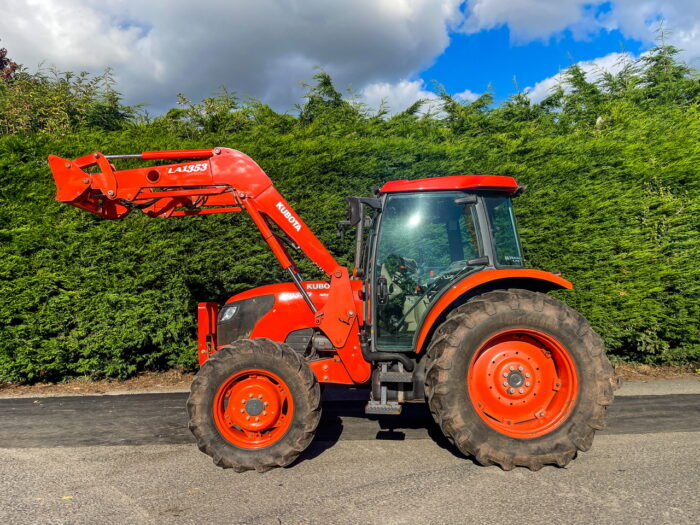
[
  {"x": 389, "y": 51},
  {"x": 489, "y": 57}
]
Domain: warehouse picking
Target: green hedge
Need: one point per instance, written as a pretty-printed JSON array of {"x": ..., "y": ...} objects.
[{"x": 613, "y": 202}]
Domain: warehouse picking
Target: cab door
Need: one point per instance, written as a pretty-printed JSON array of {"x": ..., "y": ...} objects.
[{"x": 424, "y": 242}]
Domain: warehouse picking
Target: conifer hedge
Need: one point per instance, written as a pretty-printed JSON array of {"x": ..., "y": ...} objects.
[{"x": 613, "y": 202}]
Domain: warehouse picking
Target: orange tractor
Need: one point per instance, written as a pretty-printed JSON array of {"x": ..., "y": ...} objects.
[{"x": 438, "y": 307}]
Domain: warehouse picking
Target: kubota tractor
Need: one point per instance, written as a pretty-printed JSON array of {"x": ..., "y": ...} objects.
[{"x": 439, "y": 308}]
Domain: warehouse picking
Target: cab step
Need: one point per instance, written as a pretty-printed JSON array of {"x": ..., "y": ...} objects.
[
  {"x": 396, "y": 377},
  {"x": 392, "y": 408}
]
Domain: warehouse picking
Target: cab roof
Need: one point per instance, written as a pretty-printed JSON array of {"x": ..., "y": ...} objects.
[{"x": 453, "y": 182}]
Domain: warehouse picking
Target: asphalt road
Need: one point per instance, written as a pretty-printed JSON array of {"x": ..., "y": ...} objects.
[{"x": 130, "y": 459}]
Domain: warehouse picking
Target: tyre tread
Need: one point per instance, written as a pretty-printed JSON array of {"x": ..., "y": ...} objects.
[
  {"x": 291, "y": 445},
  {"x": 443, "y": 352}
]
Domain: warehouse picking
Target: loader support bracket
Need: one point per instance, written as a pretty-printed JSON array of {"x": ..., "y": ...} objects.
[{"x": 207, "y": 315}]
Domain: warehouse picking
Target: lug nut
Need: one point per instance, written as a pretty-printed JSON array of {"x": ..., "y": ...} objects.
[
  {"x": 505, "y": 374},
  {"x": 520, "y": 368},
  {"x": 242, "y": 410},
  {"x": 259, "y": 396},
  {"x": 511, "y": 368},
  {"x": 257, "y": 419},
  {"x": 250, "y": 395},
  {"x": 520, "y": 390},
  {"x": 265, "y": 403},
  {"x": 527, "y": 375},
  {"x": 527, "y": 384},
  {"x": 264, "y": 412},
  {"x": 247, "y": 418},
  {"x": 243, "y": 401},
  {"x": 511, "y": 390},
  {"x": 505, "y": 383}
]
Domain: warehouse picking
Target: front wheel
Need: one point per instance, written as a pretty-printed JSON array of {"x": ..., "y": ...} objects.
[
  {"x": 254, "y": 404},
  {"x": 517, "y": 378}
]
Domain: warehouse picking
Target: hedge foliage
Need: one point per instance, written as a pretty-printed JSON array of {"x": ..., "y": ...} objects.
[{"x": 613, "y": 202}]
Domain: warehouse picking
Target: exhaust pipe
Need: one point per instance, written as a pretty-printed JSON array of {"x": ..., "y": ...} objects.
[{"x": 407, "y": 363}]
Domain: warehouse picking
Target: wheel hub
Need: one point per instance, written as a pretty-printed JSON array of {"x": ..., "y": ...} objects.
[
  {"x": 516, "y": 379},
  {"x": 522, "y": 382},
  {"x": 253, "y": 408}
]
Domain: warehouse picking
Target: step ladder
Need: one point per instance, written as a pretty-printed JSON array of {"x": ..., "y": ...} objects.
[{"x": 381, "y": 406}]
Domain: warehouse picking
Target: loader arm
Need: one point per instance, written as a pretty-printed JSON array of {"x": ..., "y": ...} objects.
[{"x": 218, "y": 180}]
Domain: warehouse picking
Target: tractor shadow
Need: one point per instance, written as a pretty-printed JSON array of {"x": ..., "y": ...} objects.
[{"x": 344, "y": 418}]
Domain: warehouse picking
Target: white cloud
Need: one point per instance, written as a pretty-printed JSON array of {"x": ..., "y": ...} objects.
[
  {"x": 398, "y": 96},
  {"x": 264, "y": 48},
  {"x": 255, "y": 47},
  {"x": 612, "y": 63},
  {"x": 530, "y": 20},
  {"x": 395, "y": 97},
  {"x": 526, "y": 19},
  {"x": 543, "y": 88},
  {"x": 467, "y": 96},
  {"x": 639, "y": 19}
]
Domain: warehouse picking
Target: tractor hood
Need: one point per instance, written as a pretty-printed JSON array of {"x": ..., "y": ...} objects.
[{"x": 274, "y": 310}]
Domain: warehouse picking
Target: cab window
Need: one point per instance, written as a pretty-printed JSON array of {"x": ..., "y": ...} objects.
[{"x": 424, "y": 243}]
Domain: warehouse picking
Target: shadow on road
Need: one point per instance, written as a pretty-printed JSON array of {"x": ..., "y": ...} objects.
[{"x": 346, "y": 420}]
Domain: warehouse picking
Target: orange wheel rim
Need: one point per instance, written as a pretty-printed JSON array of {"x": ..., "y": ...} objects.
[
  {"x": 253, "y": 408},
  {"x": 522, "y": 383}
]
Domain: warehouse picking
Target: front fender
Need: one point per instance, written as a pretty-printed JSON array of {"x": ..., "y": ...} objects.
[{"x": 536, "y": 280}]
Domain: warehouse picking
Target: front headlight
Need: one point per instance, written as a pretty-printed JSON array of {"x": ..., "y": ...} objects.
[{"x": 227, "y": 312}]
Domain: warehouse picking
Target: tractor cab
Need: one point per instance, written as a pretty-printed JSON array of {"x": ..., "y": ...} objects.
[{"x": 424, "y": 236}]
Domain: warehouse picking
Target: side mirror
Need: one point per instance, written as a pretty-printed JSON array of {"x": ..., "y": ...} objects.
[{"x": 354, "y": 211}]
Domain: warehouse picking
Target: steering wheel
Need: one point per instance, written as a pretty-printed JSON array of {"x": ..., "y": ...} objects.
[{"x": 454, "y": 267}]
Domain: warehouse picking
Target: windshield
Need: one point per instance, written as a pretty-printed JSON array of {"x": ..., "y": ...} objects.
[{"x": 425, "y": 242}]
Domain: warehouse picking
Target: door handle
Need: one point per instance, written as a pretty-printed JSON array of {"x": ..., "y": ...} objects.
[{"x": 382, "y": 290}]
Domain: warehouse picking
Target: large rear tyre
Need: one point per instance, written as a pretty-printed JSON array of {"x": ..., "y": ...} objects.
[
  {"x": 517, "y": 378},
  {"x": 255, "y": 404}
]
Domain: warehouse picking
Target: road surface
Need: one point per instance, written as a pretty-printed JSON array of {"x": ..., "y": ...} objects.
[{"x": 130, "y": 459}]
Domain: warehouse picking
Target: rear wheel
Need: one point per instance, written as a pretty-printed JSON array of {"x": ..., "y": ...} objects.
[
  {"x": 517, "y": 378},
  {"x": 255, "y": 404}
]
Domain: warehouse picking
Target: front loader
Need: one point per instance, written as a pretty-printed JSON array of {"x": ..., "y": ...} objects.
[{"x": 438, "y": 307}]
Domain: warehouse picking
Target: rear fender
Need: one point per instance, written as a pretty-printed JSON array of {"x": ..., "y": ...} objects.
[{"x": 460, "y": 292}]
